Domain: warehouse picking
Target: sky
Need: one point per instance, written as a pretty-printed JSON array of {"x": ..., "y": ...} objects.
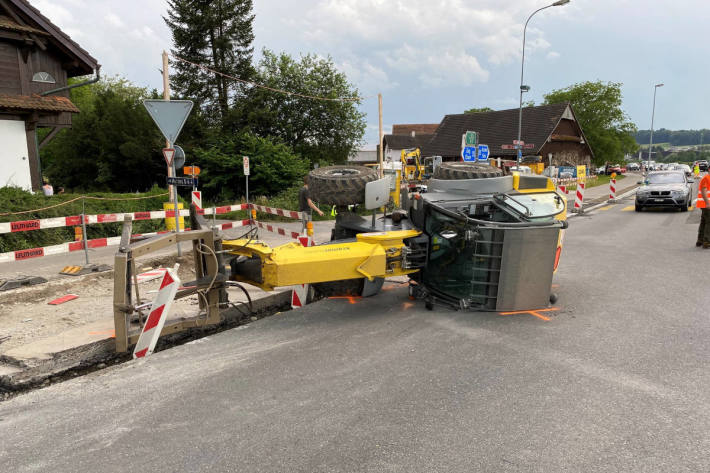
[{"x": 430, "y": 58}]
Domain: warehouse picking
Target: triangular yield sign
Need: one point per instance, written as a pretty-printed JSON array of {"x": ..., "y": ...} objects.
[
  {"x": 168, "y": 154},
  {"x": 169, "y": 115}
]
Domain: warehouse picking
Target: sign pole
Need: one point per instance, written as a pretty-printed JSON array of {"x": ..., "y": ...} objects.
[
  {"x": 83, "y": 229},
  {"x": 166, "y": 96},
  {"x": 247, "y": 171},
  {"x": 175, "y": 209}
]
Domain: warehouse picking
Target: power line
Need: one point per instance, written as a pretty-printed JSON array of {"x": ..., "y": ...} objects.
[{"x": 280, "y": 91}]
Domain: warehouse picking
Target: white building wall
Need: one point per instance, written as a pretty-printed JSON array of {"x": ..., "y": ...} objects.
[{"x": 14, "y": 156}]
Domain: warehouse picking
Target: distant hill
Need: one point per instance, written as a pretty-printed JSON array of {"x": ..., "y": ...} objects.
[{"x": 674, "y": 137}]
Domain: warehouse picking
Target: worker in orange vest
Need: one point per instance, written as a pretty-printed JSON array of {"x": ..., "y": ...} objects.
[{"x": 703, "y": 204}]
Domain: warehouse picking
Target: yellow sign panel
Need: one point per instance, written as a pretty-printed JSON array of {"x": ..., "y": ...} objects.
[{"x": 582, "y": 173}]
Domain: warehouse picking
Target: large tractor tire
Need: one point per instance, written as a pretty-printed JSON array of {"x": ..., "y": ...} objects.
[
  {"x": 458, "y": 170},
  {"x": 340, "y": 185}
]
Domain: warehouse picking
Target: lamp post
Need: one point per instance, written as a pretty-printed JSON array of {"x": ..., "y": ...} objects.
[
  {"x": 526, "y": 88},
  {"x": 653, "y": 114}
]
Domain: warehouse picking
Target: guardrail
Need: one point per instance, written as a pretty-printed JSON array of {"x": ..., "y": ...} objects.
[{"x": 77, "y": 220}]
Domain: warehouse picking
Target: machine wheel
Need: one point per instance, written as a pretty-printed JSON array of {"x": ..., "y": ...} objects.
[
  {"x": 340, "y": 185},
  {"x": 458, "y": 170}
]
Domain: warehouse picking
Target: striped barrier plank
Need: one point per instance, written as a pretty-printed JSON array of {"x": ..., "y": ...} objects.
[
  {"x": 280, "y": 231},
  {"x": 279, "y": 212},
  {"x": 158, "y": 313},
  {"x": 75, "y": 220}
]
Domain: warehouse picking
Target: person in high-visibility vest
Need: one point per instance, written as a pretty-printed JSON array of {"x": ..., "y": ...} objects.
[
  {"x": 703, "y": 204},
  {"x": 696, "y": 170}
]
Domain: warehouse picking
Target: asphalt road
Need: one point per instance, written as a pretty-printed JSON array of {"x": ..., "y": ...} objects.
[{"x": 616, "y": 380}]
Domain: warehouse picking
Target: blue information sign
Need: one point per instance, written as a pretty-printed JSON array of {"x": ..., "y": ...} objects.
[
  {"x": 483, "y": 152},
  {"x": 469, "y": 153}
]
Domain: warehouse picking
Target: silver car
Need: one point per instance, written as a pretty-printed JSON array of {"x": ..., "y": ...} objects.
[{"x": 665, "y": 189}]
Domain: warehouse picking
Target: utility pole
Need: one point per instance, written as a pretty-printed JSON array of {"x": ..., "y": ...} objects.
[
  {"x": 379, "y": 154},
  {"x": 653, "y": 115},
  {"x": 172, "y": 171}
]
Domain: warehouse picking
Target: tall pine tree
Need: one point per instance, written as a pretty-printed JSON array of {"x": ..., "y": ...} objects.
[{"x": 217, "y": 34}]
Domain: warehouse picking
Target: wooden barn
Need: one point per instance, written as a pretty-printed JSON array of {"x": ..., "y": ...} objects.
[{"x": 36, "y": 61}]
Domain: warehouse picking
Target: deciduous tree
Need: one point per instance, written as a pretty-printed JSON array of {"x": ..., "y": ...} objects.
[
  {"x": 598, "y": 107},
  {"x": 324, "y": 131}
]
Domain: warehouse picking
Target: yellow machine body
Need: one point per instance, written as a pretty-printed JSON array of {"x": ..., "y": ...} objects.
[
  {"x": 372, "y": 255},
  {"x": 415, "y": 170}
]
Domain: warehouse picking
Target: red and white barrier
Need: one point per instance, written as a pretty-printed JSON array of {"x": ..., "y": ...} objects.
[
  {"x": 612, "y": 190},
  {"x": 564, "y": 191},
  {"x": 75, "y": 220},
  {"x": 155, "y": 274},
  {"x": 197, "y": 201},
  {"x": 158, "y": 313},
  {"x": 235, "y": 224},
  {"x": 279, "y": 212},
  {"x": 579, "y": 197},
  {"x": 225, "y": 209},
  {"x": 299, "y": 293},
  {"x": 280, "y": 231}
]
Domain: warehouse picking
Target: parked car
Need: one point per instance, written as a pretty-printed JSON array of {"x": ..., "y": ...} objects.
[
  {"x": 665, "y": 189},
  {"x": 703, "y": 165},
  {"x": 633, "y": 166}
]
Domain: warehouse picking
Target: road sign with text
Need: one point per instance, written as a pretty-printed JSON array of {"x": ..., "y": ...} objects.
[
  {"x": 471, "y": 138},
  {"x": 245, "y": 159},
  {"x": 469, "y": 153},
  {"x": 483, "y": 152},
  {"x": 182, "y": 181}
]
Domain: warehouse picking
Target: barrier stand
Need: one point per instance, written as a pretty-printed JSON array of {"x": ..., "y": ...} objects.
[
  {"x": 209, "y": 285},
  {"x": 579, "y": 198},
  {"x": 612, "y": 190},
  {"x": 563, "y": 190},
  {"x": 158, "y": 313}
]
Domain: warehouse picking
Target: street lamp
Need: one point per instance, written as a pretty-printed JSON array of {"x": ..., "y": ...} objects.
[
  {"x": 653, "y": 114},
  {"x": 526, "y": 88}
]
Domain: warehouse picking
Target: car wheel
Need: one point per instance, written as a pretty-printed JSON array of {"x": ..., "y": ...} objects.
[{"x": 638, "y": 208}]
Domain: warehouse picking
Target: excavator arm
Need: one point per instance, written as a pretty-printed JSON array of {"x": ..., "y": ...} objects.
[{"x": 370, "y": 256}]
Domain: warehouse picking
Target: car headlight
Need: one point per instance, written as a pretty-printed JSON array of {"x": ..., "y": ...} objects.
[
  {"x": 678, "y": 193},
  {"x": 643, "y": 192}
]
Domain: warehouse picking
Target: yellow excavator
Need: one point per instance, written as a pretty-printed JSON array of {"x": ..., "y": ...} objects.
[
  {"x": 476, "y": 240},
  {"x": 412, "y": 168}
]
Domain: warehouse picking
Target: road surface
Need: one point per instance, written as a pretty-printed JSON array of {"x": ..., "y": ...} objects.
[{"x": 615, "y": 380}]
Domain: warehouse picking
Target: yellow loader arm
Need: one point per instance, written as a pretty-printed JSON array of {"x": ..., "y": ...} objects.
[{"x": 372, "y": 255}]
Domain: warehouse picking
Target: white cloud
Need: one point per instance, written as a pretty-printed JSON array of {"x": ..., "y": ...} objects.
[
  {"x": 114, "y": 20},
  {"x": 440, "y": 44}
]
